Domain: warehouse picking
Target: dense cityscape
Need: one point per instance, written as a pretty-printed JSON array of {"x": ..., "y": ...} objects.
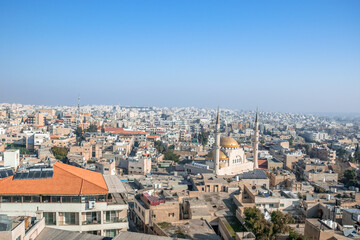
[
  {"x": 96, "y": 172},
  {"x": 170, "y": 120}
]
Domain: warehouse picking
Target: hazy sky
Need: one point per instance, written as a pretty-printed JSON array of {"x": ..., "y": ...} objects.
[{"x": 296, "y": 56}]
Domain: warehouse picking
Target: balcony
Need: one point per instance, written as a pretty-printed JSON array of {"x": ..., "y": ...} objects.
[
  {"x": 90, "y": 222},
  {"x": 66, "y": 223},
  {"x": 116, "y": 220}
]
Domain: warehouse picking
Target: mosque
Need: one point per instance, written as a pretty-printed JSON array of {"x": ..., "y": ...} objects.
[{"x": 227, "y": 157}]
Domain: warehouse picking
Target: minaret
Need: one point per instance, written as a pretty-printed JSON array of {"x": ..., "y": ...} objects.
[
  {"x": 256, "y": 141},
  {"x": 217, "y": 144},
  {"x": 78, "y": 111}
]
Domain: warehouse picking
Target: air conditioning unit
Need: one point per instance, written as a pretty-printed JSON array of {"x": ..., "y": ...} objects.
[{"x": 91, "y": 204}]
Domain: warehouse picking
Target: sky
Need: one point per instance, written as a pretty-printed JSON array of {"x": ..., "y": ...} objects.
[{"x": 288, "y": 56}]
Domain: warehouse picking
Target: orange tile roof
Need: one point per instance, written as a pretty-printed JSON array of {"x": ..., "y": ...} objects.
[
  {"x": 353, "y": 165},
  {"x": 67, "y": 180},
  {"x": 54, "y": 137},
  {"x": 152, "y": 136},
  {"x": 263, "y": 164}
]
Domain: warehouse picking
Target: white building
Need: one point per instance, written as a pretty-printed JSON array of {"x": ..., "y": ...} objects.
[
  {"x": 69, "y": 198},
  {"x": 12, "y": 158}
]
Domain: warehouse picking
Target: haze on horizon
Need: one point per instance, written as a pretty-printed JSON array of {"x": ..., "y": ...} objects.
[{"x": 287, "y": 56}]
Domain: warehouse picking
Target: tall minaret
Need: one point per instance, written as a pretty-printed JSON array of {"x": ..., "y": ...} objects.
[
  {"x": 78, "y": 111},
  {"x": 256, "y": 141},
  {"x": 217, "y": 144}
]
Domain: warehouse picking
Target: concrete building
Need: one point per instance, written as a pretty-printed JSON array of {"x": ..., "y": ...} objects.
[
  {"x": 151, "y": 209},
  {"x": 12, "y": 158},
  {"x": 69, "y": 198},
  {"x": 20, "y": 227}
]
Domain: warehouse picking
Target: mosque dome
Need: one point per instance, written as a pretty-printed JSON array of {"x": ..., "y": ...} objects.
[
  {"x": 211, "y": 155},
  {"x": 228, "y": 142}
]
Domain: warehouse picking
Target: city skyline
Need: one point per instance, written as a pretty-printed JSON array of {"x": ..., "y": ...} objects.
[{"x": 279, "y": 56}]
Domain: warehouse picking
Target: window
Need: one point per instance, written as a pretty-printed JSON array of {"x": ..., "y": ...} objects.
[
  {"x": 16, "y": 199},
  {"x": 171, "y": 214},
  {"x": 50, "y": 218},
  {"x": 101, "y": 198},
  {"x": 110, "y": 216},
  {"x": 26, "y": 198},
  {"x": 110, "y": 233},
  {"x": 75, "y": 199},
  {"x": 271, "y": 205},
  {"x": 55, "y": 199},
  {"x": 35, "y": 199},
  {"x": 282, "y": 205},
  {"x": 83, "y": 199},
  {"x": 70, "y": 218},
  {"x": 91, "y": 218},
  {"x": 66, "y": 199},
  {"x": 45, "y": 199},
  {"x": 92, "y": 198}
]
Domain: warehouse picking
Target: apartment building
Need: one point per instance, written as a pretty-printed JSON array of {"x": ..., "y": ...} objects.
[
  {"x": 69, "y": 198},
  {"x": 149, "y": 209}
]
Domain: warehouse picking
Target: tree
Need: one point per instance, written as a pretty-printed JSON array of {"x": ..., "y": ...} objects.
[
  {"x": 203, "y": 137},
  {"x": 307, "y": 149},
  {"x": 159, "y": 146},
  {"x": 291, "y": 142},
  {"x": 263, "y": 229},
  {"x": 78, "y": 132},
  {"x": 256, "y": 223},
  {"x": 280, "y": 222},
  {"x": 350, "y": 175},
  {"x": 341, "y": 153},
  {"x": 357, "y": 153},
  {"x": 295, "y": 236},
  {"x": 170, "y": 155},
  {"x": 92, "y": 128},
  {"x": 59, "y": 152}
]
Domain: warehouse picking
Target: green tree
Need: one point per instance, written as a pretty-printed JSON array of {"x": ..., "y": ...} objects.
[
  {"x": 159, "y": 146},
  {"x": 295, "y": 236},
  {"x": 263, "y": 229},
  {"x": 357, "y": 153},
  {"x": 341, "y": 153},
  {"x": 350, "y": 175},
  {"x": 59, "y": 152},
  {"x": 78, "y": 132},
  {"x": 256, "y": 223},
  {"x": 92, "y": 128},
  {"x": 291, "y": 142},
  {"x": 170, "y": 155},
  {"x": 281, "y": 222},
  {"x": 203, "y": 137}
]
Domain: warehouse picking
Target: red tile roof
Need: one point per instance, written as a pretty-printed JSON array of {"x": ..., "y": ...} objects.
[
  {"x": 263, "y": 164},
  {"x": 353, "y": 165},
  {"x": 67, "y": 180},
  {"x": 54, "y": 137},
  {"x": 152, "y": 137}
]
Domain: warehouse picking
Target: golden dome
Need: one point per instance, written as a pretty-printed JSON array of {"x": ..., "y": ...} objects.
[
  {"x": 228, "y": 142},
  {"x": 211, "y": 154}
]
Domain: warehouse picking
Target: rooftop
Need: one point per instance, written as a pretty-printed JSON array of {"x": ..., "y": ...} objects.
[
  {"x": 255, "y": 174},
  {"x": 66, "y": 180}
]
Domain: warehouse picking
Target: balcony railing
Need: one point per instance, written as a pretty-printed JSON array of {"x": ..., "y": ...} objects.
[
  {"x": 116, "y": 220},
  {"x": 90, "y": 222},
  {"x": 64, "y": 223}
]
